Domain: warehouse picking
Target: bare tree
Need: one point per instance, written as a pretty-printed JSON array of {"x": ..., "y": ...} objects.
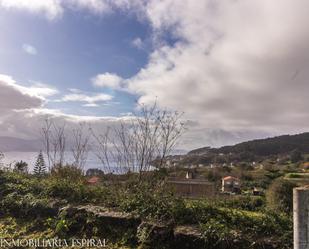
[
  {"x": 171, "y": 129},
  {"x": 1, "y": 158},
  {"x": 103, "y": 150},
  {"x": 141, "y": 142},
  {"x": 46, "y": 137},
  {"x": 54, "y": 141},
  {"x": 80, "y": 145}
]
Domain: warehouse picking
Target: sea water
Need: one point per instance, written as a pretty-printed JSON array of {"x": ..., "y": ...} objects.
[{"x": 10, "y": 158}]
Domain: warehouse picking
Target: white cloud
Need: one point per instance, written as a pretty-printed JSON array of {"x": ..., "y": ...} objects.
[
  {"x": 28, "y": 123},
  {"x": 36, "y": 91},
  {"x": 226, "y": 73},
  {"x": 29, "y": 49},
  {"x": 138, "y": 43},
  {"x": 107, "y": 80},
  {"x": 16, "y": 102},
  {"x": 95, "y": 6},
  {"x": 23, "y": 112},
  {"x": 54, "y": 9},
  {"x": 91, "y": 105},
  {"x": 40, "y": 90},
  {"x": 14, "y": 96},
  {"x": 50, "y": 8},
  {"x": 89, "y": 100},
  {"x": 75, "y": 90}
]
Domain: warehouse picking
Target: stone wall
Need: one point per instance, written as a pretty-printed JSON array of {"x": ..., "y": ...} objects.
[
  {"x": 193, "y": 188},
  {"x": 99, "y": 222}
]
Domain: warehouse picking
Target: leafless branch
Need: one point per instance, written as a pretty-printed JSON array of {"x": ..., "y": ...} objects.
[
  {"x": 80, "y": 145},
  {"x": 54, "y": 141},
  {"x": 141, "y": 142}
]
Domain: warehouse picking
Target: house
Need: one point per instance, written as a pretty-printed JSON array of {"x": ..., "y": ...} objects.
[
  {"x": 190, "y": 174},
  {"x": 260, "y": 166},
  {"x": 305, "y": 166},
  {"x": 168, "y": 163},
  {"x": 257, "y": 191},
  {"x": 212, "y": 166},
  {"x": 93, "y": 180},
  {"x": 231, "y": 184}
]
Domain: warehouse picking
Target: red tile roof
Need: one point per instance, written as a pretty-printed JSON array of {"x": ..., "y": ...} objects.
[
  {"x": 230, "y": 178},
  {"x": 93, "y": 180}
]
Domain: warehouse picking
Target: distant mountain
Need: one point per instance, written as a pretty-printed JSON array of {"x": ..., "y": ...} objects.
[
  {"x": 262, "y": 147},
  {"x": 17, "y": 144}
]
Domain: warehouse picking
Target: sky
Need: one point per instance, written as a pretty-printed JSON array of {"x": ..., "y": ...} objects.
[{"x": 238, "y": 69}]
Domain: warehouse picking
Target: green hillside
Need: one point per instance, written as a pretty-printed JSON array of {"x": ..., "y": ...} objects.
[{"x": 264, "y": 147}]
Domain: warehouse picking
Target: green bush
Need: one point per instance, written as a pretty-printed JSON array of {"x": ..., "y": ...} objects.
[
  {"x": 11, "y": 182},
  {"x": 67, "y": 172},
  {"x": 75, "y": 192},
  {"x": 158, "y": 202},
  {"x": 279, "y": 196},
  {"x": 294, "y": 175},
  {"x": 247, "y": 203},
  {"x": 237, "y": 229},
  {"x": 27, "y": 206},
  {"x": 218, "y": 235}
]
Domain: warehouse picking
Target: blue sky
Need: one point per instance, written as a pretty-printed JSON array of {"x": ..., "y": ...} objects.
[
  {"x": 72, "y": 50},
  {"x": 237, "y": 69}
]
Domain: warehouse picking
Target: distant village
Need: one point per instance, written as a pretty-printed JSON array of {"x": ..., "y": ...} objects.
[{"x": 209, "y": 175}]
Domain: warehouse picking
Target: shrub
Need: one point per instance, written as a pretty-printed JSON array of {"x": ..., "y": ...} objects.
[
  {"x": 279, "y": 196},
  {"x": 67, "y": 172},
  {"x": 244, "y": 203},
  {"x": 19, "y": 183},
  {"x": 294, "y": 175},
  {"x": 296, "y": 156},
  {"x": 217, "y": 235},
  {"x": 238, "y": 229},
  {"x": 26, "y": 206},
  {"x": 21, "y": 167},
  {"x": 74, "y": 192},
  {"x": 158, "y": 202},
  {"x": 213, "y": 175}
]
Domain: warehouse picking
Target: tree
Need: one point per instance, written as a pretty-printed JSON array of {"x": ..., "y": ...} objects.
[
  {"x": 54, "y": 140},
  {"x": 296, "y": 156},
  {"x": 80, "y": 145},
  {"x": 279, "y": 196},
  {"x": 213, "y": 175},
  {"x": 21, "y": 167},
  {"x": 1, "y": 158},
  {"x": 145, "y": 140},
  {"x": 40, "y": 167},
  {"x": 94, "y": 172}
]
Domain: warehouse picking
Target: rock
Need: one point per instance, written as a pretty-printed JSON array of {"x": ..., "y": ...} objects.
[
  {"x": 188, "y": 237},
  {"x": 97, "y": 221},
  {"x": 154, "y": 235}
]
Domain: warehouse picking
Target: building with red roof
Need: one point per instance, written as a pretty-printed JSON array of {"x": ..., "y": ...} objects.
[
  {"x": 93, "y": 180},
  {"x": 231, "y": 184}
]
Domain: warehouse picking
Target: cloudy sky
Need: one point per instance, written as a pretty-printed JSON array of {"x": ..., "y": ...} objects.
[{"x": 237, "y": 68}]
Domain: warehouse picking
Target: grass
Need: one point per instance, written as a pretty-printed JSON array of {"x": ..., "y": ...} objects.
[{"x": 25, "y": 202}]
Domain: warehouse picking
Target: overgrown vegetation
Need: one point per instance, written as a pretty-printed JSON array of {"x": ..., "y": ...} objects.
[
  {"x": 280, "y": 195},
  {"x": 240, "y": 222}
]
